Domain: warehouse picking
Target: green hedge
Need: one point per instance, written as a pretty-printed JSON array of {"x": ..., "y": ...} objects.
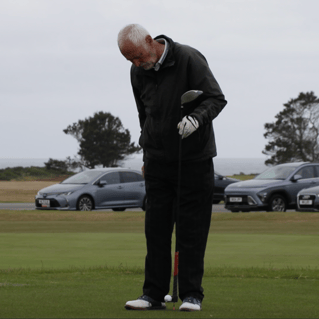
[{"x": 21, "y": 173}]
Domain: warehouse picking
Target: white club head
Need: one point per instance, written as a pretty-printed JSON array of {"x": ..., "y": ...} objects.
[{"x": 168, "y": 298}]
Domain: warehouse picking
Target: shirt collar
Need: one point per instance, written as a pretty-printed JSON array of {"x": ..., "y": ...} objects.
[{"x": 161, "y": 60}]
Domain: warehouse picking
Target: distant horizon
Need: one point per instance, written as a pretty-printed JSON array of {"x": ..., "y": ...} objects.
[
  {"x": 224, "y": 166},
  {"x": 60, "y": 158}
]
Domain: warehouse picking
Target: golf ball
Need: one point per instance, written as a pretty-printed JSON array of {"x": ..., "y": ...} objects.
[{"x": 168, "y": 298}]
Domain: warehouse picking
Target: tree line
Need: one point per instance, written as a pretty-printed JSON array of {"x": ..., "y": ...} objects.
[{"x": 292, "y": 137}]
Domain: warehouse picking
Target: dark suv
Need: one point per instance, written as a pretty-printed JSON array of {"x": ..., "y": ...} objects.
[
  {"x": 220, "y": 183},
  {"x": 275, "y": 189}
]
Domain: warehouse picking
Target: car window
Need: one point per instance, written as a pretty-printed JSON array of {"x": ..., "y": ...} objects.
[
  {"x": 306, "y": 172},
  {"x": 139, "y": 177},
  {"x": 82, "y": 177},
  {"x": 131, "y": 177},
  {"x": 111, "y": 178},
  {"x": 276, "y": 172},
  {"x": 317, "y": 170}
]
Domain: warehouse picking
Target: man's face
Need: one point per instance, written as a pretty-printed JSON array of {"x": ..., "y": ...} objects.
[{"x": 141, "y": 56}]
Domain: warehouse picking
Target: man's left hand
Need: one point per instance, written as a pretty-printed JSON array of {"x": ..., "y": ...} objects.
[{"x": 187, "y": 126}]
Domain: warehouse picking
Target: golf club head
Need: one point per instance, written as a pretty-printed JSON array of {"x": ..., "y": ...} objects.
[{"x": 190, "y": 96}]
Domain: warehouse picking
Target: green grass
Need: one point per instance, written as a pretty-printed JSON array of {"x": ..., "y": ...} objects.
[
  {"x": 60, "y": 250},
  {"x": 88, "y": 264},
  {"x": 243, "y": 177},
  {"x": 102, "y": 292}
]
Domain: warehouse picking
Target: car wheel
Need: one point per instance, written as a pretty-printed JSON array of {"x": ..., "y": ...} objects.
[
  {"x": 277, "y": 203},
  {"x": 85, "y": 203},
  {"x": 216, "y": 201},
  {"x": 235, "y": 211},
  {"x": 118, "y": 209}
]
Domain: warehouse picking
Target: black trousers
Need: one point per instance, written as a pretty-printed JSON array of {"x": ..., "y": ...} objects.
[{"x": 193, "y": 223}]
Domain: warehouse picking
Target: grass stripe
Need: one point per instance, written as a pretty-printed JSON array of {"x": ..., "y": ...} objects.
[{"x": 297, "y": 273}]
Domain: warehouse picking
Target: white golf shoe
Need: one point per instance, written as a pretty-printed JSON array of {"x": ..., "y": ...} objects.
[
  {"x": 145, "y": 303},
  {"x": 191, "y": 304}
]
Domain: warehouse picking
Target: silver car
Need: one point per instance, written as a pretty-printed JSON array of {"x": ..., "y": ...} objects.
[
  {"x": 308, "y": 200},
  {"x": 275, "y": 189},
  {"x": 115, "y": 188}
]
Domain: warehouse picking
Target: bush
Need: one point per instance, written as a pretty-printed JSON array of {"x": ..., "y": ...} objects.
[
  {"x": 30, "y": 173},
  {"x": 35, "y": 171},
  {"x": 56, "y": 165},
  {"x": 6, "y": 175}
]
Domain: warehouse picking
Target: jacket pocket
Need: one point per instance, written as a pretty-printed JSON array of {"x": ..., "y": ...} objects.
[
  {"x": 195, "y": 144},
  {"x": 147, "y": 140}
]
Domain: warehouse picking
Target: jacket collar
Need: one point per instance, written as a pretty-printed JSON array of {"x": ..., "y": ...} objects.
[
  {"x": 170, "y": 59},
  {"x": 162, "y": 58}
]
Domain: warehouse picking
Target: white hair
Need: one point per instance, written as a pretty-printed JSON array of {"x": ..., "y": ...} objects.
[{"x": 133, "y": 32}]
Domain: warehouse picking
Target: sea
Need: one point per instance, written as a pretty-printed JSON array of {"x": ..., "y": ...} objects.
[{"x": 224, "y": 166}]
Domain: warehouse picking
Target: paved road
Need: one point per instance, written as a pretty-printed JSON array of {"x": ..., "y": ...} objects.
[{"x": 30, "y": 206}]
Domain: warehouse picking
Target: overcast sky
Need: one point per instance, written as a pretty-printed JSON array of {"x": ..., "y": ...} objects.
[{"x": 59, "y": 62}]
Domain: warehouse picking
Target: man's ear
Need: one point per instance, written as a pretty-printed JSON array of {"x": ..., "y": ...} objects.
[{"x": 148, "y": 39}]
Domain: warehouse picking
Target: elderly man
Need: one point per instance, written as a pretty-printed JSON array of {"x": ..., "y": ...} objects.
[{"x": 162, "y": 70}]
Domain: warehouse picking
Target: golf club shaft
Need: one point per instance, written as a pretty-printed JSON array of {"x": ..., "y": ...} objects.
[
  {"x": 176, "y": 259},
  {"x": 187, "y": 97}
]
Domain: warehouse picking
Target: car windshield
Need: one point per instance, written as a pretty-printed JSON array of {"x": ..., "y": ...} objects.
[
  {"x": 277, "y": 172},
  {"x": 82, "y": 178}
]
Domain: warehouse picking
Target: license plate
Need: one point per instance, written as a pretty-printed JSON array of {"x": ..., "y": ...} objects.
[
  {"x": 44, "y": 202},
  {"x": 235, "y": 199},
  {"x": 305, "y": 202}
]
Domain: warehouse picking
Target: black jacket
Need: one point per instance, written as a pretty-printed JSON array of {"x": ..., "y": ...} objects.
[{"x": 158, "y": 99}]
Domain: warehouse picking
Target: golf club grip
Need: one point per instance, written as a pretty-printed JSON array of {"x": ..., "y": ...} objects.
[
  {"x": 174, "y": 296},
  {"x": 176, "y": 263}
]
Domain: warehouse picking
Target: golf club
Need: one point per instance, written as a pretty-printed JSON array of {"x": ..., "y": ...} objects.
[{"x": 187, "y": 97}]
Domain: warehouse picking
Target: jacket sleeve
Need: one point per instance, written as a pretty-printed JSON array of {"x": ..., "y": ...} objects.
[
  {"x": 139, "y": 103},
  {"x": 201, "y": 78}
]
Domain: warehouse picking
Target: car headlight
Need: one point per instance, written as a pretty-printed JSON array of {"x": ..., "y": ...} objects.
[
  {"x": 65, "y": 194},
  {"x": 262, "y": 196}
]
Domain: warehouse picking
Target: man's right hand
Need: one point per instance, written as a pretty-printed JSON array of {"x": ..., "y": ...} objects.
[{"x": 143, "y": 173}]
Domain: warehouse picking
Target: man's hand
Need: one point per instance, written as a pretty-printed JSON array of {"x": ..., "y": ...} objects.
[
  {"x": 143, "y": 172},
  {"x": 187, "y": 126}
]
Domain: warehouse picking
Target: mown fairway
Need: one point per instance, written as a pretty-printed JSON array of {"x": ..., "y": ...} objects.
[{"x": 79, "y": 264}]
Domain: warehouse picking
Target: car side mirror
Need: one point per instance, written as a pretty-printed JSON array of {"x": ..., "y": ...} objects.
[
  {"x": 102, "y": 183},
  {"x": 296, "y": 177}
]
